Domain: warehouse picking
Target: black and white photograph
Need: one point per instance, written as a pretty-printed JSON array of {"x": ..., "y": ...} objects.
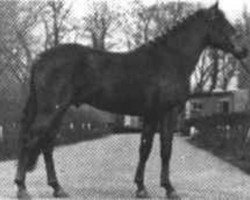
[{"x": 125, "y": 99}]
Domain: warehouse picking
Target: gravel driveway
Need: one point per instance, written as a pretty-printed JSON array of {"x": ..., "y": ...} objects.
[{"x": 104, "y": 169}]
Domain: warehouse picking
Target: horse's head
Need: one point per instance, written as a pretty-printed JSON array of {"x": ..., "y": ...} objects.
[{"x": 221, "y": 34}]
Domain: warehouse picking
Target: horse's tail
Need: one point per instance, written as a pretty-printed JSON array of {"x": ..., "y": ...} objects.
[
  {"x": 33, "y": 154},
  {"x": 29, "y": 115},
  {"x": 34, "y": 149}
]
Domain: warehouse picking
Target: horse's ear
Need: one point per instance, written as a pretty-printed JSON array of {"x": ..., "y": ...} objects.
[
  {"x": 213, "y": 10},
  {"x": 215, "y": 6}
]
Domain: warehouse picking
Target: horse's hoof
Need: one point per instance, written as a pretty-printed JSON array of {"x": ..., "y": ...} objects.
[
  {"x": 142, "y": 194},
  {"x": 60, "y": 193},
  {"x": 173, "y": 195},
  {"x": 23, "y": 194}
]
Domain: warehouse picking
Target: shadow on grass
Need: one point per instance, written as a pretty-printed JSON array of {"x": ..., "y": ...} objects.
[{"x": 226, "y": 154}]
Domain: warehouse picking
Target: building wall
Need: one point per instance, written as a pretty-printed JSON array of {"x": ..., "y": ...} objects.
[
  {"x": 210, "y": 105},
  {"x": 243, "y": 79},
  {"x": 241, "y": 101},
  {"x": 132, "y": 121}
]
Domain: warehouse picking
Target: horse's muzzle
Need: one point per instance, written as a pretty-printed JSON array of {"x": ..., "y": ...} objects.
[
  {"x": 241, "y": 53},
  {"x": 238, "y": 49}
]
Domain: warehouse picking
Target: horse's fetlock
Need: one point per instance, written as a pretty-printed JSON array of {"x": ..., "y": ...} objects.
[
  {"x": 20, "y": 184},
  {"x": 54, "y": 184}
]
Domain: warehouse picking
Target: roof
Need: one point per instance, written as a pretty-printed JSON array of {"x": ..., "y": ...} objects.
[{"x": 211, "y": 94}]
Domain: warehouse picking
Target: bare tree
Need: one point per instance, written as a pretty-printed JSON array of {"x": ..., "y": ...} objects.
[
  {"x": 138, "y": 24},
  {"x": 144, "y": 20},
  {"x": 243, "y": 27},
  {"x": 153, "y": 21},
  {"x": 23, "y": 48},
  {"x": 24, "y": 27},
  {"x": 214, "y": 71},
  {"x": 227, "y": 71},
  {"x": 19, "y": 25},
  {"x": 55, "y": 19},
  {"x": 99, "y": 25},
  {"x": 16, "y": 37},
  {"x": 14, "y": 55},
  {"x": 171, "y": 13},
  {"x": 202, "y": 74}
]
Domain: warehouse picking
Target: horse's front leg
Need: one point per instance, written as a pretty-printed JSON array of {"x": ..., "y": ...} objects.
[
  {"x": 149, "y": 128},
  {"x": 167, "y": 127}
]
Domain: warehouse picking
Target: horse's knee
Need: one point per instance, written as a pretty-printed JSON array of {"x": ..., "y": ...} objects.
[
  {"x": 20, "y": 183},
  {"x": 146, "y": 146},
  {"x": 48, "y": 153},
  {"x": 147, "y": 142},
  {"x": 166, "y": 142}
]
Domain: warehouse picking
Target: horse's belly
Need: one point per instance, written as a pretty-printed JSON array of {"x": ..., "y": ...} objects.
[
  {"x": 125, "y": 108},
  {"x": 119, "y": 105}
]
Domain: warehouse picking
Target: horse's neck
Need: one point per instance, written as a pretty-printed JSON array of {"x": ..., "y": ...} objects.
[{"x": 189, "y": 42}]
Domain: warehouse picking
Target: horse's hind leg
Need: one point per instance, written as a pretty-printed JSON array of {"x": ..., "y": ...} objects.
[
  {"x": 42, "y": 133},
  {"x": 27, "y": 120},
  {"x": 47, "y": 151},
  {"x": 47, "y": 124},
  {"x": 144, "y": 151},
  {"x": 51, "y": 173}
]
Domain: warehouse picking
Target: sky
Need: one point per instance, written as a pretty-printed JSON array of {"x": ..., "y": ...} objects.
[{"x": 232, "y": 8}]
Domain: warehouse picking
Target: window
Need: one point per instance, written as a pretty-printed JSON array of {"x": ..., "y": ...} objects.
[
  {"x": 197, "y": 106},
  {"x": 223, "y": 106}
]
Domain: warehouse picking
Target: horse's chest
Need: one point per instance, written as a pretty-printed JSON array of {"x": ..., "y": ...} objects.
[{"x": 172, "y": 92}]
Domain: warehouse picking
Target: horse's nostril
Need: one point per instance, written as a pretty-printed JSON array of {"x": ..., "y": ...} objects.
[
  {"x": 242, "y": 53},
  {"x": 237, "y": 35},
  {"x": 245, "y": 49}
]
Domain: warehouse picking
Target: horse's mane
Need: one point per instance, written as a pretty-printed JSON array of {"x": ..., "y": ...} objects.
[{"x": 180, "y": 25}]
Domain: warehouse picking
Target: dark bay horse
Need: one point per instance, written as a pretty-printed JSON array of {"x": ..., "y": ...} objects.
[{"x": 151, "y": 81}]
